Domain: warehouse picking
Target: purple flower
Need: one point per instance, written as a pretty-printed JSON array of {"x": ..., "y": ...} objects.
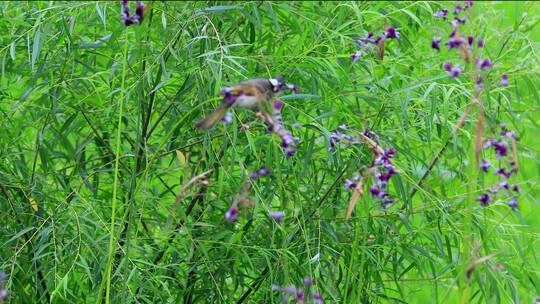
[
  {"x": 454, "y": 72},
  {"x": 513, "y": 203},
  {"x": 132, "y": 19},
  {"x": 290, "y": 153},
  {"x": 260, "y": 172},
  {"x": 435, "y": 43},
  {"x": 308, "y": 281},
  {"x": 484, "y": 199},
  {"x": 458, "y": 9},
  {"x": 480, "y": 42},
  {"x": 378, "y": 39},
  {"x": 317, "y": 297},
  {"x": 468, "y": 4},
  {"x": 470, "y": 41},
  {"x": 371, "y": 135},
  {"x": 502, "y": 171},
  {"x": 291, "y": 289},
  {"x": 479, "y": 83},
  {"x": 501, "y": 148},
  {"x": 349, "y": 184},
  {"x": 391, "y": 33},
  {"x": 509, "y": 134},
  {"x": 385, "y": 202},
  {"x": 3, "y": 293},
  {"x": 484, "y": 64},
  {"x": 232, "y": 214},
  {"x": 484, "y": 165},
  {"x": 277, "y": 215},
  {"x": 292, "y": 87},
  {"x": 505, "y": 185},
  {"x": 461, "y": 20},
  {"x": 227, "y": 118},
  {"x": 264, "y": 172},
  {"x": 374, "y": 190},
  {"x": 300, "y": 295},
  {"x": 354, "y": 57},
  {"x": 447, "y": 66},
  {"x": 366, "y": 41},
  {"x": 275, "y": 287},
  {"x": 441, "y": 14},
  {"x": 455, "y": 43},
  {"x": 278, "y": 104},
  {"x": 515, "y": 188},
  {"x": 504, "y": 80}
]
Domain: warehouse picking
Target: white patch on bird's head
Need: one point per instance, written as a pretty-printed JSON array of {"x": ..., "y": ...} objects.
[{"x": 276, "y": 84}]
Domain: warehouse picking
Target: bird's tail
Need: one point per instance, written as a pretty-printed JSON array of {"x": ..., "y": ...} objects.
[{"x": 209, "y": 121}]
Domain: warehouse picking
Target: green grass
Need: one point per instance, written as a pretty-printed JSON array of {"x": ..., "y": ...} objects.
[{"x": 98, "y": 138}]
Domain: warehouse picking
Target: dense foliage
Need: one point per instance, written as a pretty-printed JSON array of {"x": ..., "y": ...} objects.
[{"x": 110, "y": 194}]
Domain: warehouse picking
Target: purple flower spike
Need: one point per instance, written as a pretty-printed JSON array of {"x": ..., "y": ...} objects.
[
  {"x": 441, "y": 14},
  {"x": 391, "y": 33},
  {"x": 503, "y": 172},
  {"x": 277, "y": 215},
  {"x": 484, "y": 199},
  {"x": 513, "y": 203},
  {"x": 354, "y": 57},
  {"x": 480, "y": 42},
  {"x": 504, "y": 80},
  {"x": 484, "y": 165},
  {"x": 484, "y": 64},
  {"x": 232, "y": 214},
  {"x": 435, "y": 43}
]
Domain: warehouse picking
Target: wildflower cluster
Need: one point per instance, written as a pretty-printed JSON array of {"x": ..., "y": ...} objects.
[
  {"x": 369, "y": 41},
  {"x": 137, "y": 18},
  {"x": 3, "y": 291},
  {"x": 381, "y": 167},
  {"x": 463, "y": 43},
  {"x": 243, "y": 198},
  {"x": 303, "y": 294},
  {"x": 501, "y": 147}
]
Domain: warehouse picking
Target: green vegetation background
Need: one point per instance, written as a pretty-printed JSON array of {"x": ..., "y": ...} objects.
[{"x": 79, "y": 91}]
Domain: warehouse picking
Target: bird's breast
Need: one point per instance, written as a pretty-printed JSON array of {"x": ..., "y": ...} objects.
[{"x": 246, "y": 102}]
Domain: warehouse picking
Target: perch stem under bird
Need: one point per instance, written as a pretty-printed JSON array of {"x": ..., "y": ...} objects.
[{"x": 248, "y": 94}]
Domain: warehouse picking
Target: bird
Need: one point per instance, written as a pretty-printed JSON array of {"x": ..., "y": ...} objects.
[{"x": 250, "y": 94}]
